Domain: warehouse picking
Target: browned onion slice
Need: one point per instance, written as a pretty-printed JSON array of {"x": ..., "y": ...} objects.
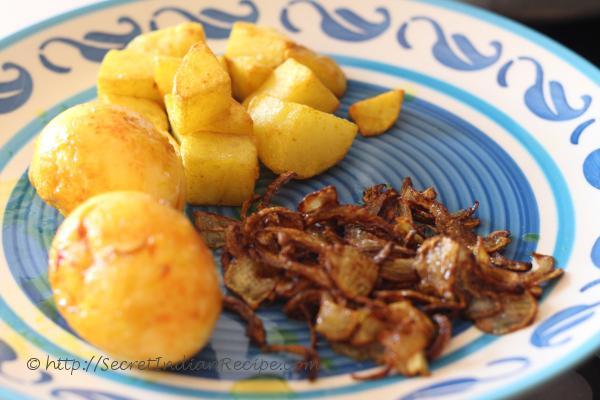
[
  {"x": 250, "y": 280},
  {"x": 334, "y": 321},
  {"x": 442, "y": 337},
  {"x": 212, "y": 227},
  {"x": 369, "y": 327},
  {"x": 353, "y": 272},
  {"x": 320, "y": 199},
  {"x": 518, "y": 311}
]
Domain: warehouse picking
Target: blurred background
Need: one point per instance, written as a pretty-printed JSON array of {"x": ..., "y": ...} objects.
[{"x": 574, "y": 23}]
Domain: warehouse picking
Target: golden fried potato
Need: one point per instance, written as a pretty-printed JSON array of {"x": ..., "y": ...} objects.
[
  {"x": 132, "y": 277},
  {"x": 128, "y": 73},
  {"x": 248, "y": 39},
  {"x": 252, "y": 53},
  {"x": 220, "y": 169},
  {"x": 295, "y": 137},
  {"x": 234, "y": 120},
  {"x": 326, "y": 69},
  {"x": 165, "y": 68},
  {"x": 377, "y": 114},
  {"x": 201, "y": 91},
  {"x": 223, "y": 62},
  {"x": 295, "y": 82},
  {"x": 148, "y": 109},
  {"x": 96, "y": 147},
  {"x": 174, "y": 41},
  {"x": 247, "y": 74}
]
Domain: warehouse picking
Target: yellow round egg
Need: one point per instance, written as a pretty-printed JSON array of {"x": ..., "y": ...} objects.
[
  {"x": 133, "y": 277},
  {"x": 94, "y": 148}
]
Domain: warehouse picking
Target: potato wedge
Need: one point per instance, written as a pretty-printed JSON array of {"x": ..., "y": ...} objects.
[
  {"x": 148, "y": 109},
  {"x": 220, "y": 169},
  {"x": 326, "y": 69},
  {"x": 201, "y": 91},
  {"x": 295, "y": 137},
  {"x": 174, "y": 41},
  {"x": 295, "y": 82},
  {"x": 128, "y": 73},
  {"x": 165, "y": 68},
  {"x": 247, "y": 74},
  {"x": 377, "y": 114}
]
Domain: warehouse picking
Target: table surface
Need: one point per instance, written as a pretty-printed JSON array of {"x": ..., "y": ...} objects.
[{"x": 582, "y": 383}]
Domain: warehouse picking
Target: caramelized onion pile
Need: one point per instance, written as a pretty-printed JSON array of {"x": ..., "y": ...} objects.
[{"x": 380, "y": 281}]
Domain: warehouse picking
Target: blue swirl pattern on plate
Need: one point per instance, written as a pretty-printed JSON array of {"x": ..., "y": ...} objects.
[
  {"x": 591, "y": 169},
  {"x": 560, "y": 109},
  {"x": 444, "y": 54},
  {"x": 16, "y": 92},
  {"x": 93, "y": 47},
  {"x": 552, "y": 331},
  {"x": 7, "y": 355},
  {"x": 363, "y": 29},
  {"x": 460, "y": 385},
  {"x": 211, "y": 19}
]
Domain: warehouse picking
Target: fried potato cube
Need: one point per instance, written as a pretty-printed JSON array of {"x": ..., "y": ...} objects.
[
  {"x": 254, "y": 40},
  {"x": 326, "y": 69},
  {"x": 297, "y": 83},
  {"x": 201, "y": 91},
  {"x": 235, "y": 121},
  {"x": 165, "y": 68},
  {"x": 253, "y": 52},
  {"x": 174, "y": 41},
  {"x": 148, "y": 109},
  {"x": 247, "y": 74},
  {"x": 220, "y": 169},
  {"x": 295, "y": 137},
  {"x": 223, "y": 62},
  {"x": 377, "y": 114},
  {"x": 128, "y": 73}
]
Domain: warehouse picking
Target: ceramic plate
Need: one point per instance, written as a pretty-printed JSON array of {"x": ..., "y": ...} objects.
[{"x": 494, "y": 112}]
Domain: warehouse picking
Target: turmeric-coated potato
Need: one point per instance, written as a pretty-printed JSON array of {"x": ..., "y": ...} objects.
[
  {"x": 377, "y": 114},
  {"x": 165, "y": 68},
  {"x": 295, "y": 82},
  {"x": 248, "y": 39},
  {"x": 253, "y": 52},
  {"x": 128, "y": 73},
  {"x": 201, "y": 91},
  {"x": 235, "y": 120},
  {"x": 132, "y": 277},
  {"x": 220, "y": 169},
  {"x": 295, "y": 137},
  {"x": 247, "y": 74},
  {"x": 328, "y": 71},
  {"x": 174, "y": 41},
  {"x": 97, "y": 147}
]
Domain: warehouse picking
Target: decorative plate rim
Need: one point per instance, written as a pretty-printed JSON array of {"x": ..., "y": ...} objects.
[{"x": 570, "y": 57}]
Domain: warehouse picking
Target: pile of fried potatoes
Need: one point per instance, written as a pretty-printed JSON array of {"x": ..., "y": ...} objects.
[{"x": 267, "y": 98}]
